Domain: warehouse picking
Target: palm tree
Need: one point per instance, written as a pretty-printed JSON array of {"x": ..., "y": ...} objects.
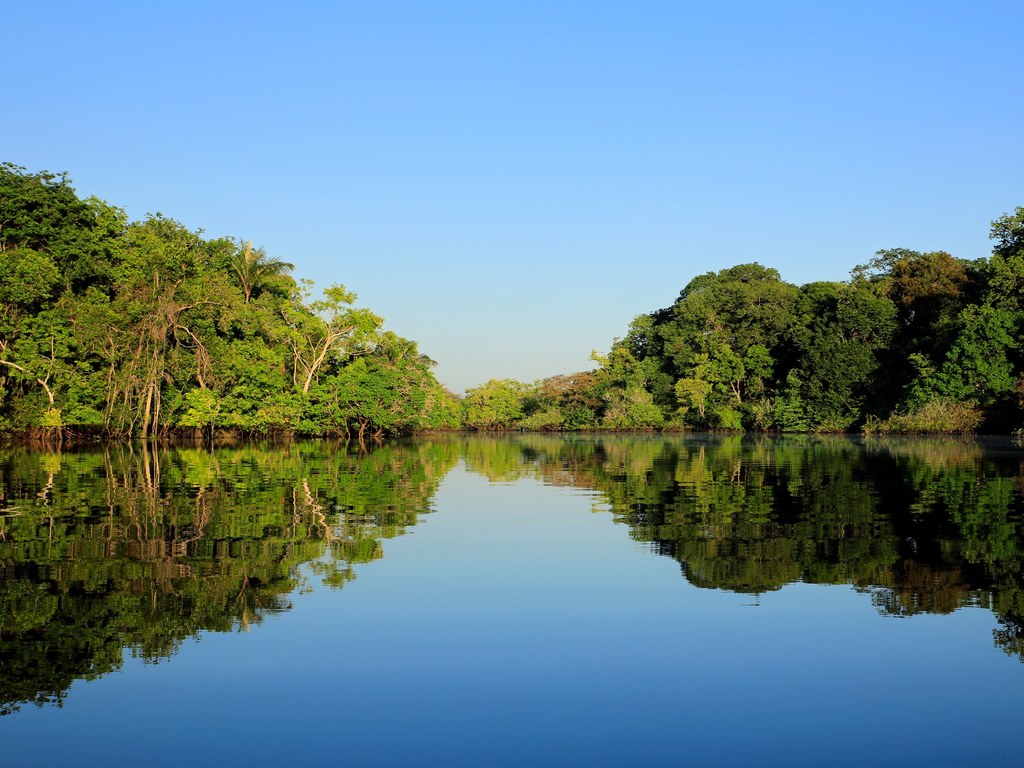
[
  {"x": 395, "y": 349},
  {"x": 255, "y": 269}
]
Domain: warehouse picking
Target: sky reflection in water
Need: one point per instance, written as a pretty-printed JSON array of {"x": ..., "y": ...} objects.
[{"x": 516, "y": 623}]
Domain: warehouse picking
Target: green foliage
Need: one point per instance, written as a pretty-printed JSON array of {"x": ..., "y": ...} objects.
[
  {"x": 41, "y": 213},
  {"x": 145, "y": 328},
  {"x": 693, "y": 394},
  {"x": 978, "y": 367},
  {"x": 201, "y": 409},
  {"x": 28, "y": 279},
  {"x": 575, "y": 398},
  {"x": 741, "y": 349},
  {"x": 790, "y": 412},
  {"x": 723, "y": 340},
  {"x": 1008, "y": 232},
  {"x": 256, "y": 270},
  {"x": 548, "y": 420},
  {"x": 496, "y": 405},
  {"x": 844, "y": 336}
]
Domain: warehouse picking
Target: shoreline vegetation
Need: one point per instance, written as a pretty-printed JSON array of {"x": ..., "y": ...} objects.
[{"x": 111, "y": 329}]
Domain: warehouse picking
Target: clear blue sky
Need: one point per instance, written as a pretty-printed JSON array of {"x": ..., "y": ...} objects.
[{"x": 510, "y": 183}]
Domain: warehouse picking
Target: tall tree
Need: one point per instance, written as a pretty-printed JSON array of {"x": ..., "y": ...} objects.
[
  {"x": 845, "y": 332},
  {"x": 255, "y": 269},
  {"x": 725, "y": 337},
  {"x": 334, "y": 329}
]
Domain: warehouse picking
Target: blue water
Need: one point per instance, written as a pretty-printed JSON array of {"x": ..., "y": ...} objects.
[{"x": 518, "y": 624}]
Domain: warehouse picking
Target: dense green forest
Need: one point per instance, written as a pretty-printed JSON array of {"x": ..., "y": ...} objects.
[
  {"x": 146, "y": 328},
  {"x": 913, "y": 342},
  {"x": 142, "y": 328}
]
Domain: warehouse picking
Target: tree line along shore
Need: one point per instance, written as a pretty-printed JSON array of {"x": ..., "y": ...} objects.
[{"x": 114, "y": 328}]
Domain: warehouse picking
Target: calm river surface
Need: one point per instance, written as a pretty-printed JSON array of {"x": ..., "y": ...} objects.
[{"x": 515, "y": 601}]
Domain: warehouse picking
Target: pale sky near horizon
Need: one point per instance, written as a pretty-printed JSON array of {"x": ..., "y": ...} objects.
[{"x": 510, "y": 183}]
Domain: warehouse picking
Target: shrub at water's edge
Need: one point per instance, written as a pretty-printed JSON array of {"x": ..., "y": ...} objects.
[{"x": 936, "y": 417}]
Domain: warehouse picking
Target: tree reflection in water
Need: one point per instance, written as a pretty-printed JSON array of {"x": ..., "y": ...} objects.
[{"x": 140, "y": 548}]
